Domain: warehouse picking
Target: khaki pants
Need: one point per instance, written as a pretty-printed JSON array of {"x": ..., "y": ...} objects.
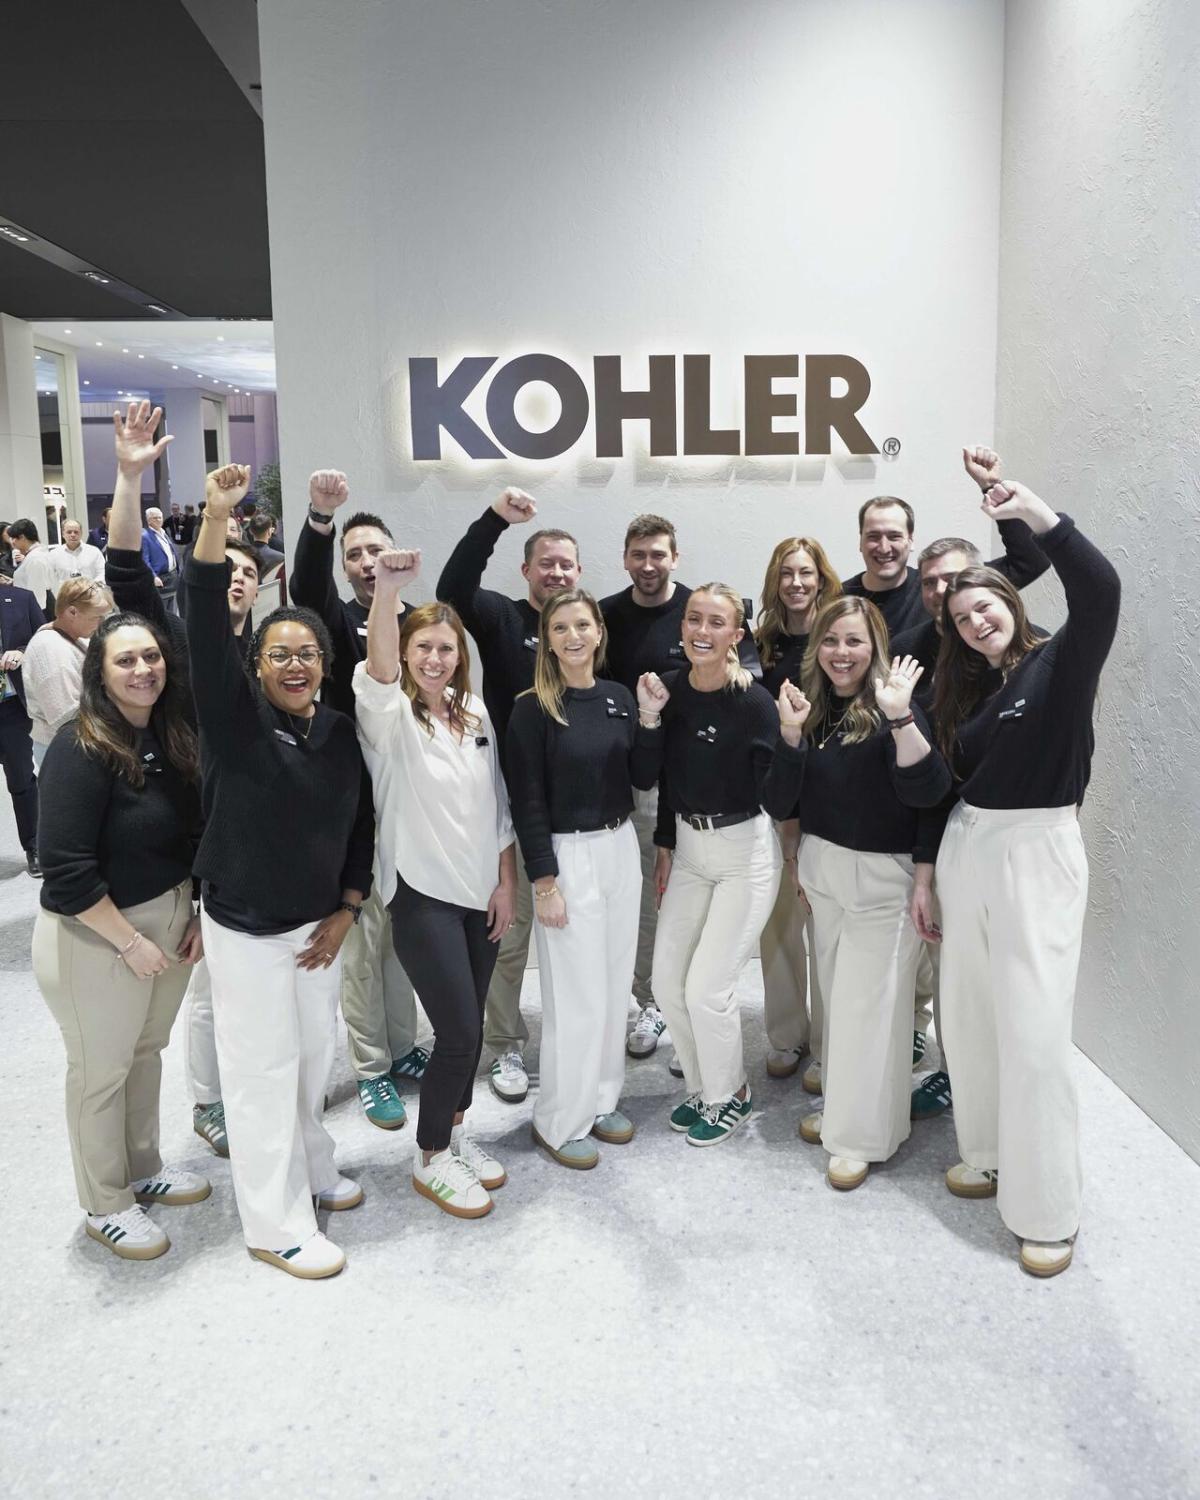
[
  {"x": 115, "y": 1027},
  {"x": 504, "y": 1028},
  {"x": 378, "y": 1004},
  {"x": 790, "y": 983},
  {"x": 867, "y": 951},
  {"x": 1013, "y": 891},
  {"x": 645, "y": 819}
]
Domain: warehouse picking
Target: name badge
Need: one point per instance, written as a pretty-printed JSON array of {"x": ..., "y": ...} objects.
[
  {"x": 614, "y": 712},
  {"x": 709, "y": 735},
  {"x": 151, "y": 763},
  {"x": 1015, "y": 712},
  {"x": 482, "y": 741},
  {"x": 362, "y": 630},
  {"x": 287, "y": 738},
  {"x": 530, "y": 642},
  {"x": 676, "y": 652}
]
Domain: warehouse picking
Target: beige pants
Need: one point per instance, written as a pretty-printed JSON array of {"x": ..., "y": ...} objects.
[
  {"x": 867, "y": 951},
  {"x": 721, "y": 889},
  {"x": 504, "y": 1028},
  {"x": 645, "y": 819},
  {"x": 789, "y": 988},
  {"x": 115, "y": 1027},
  {"x": 1013, "y": 891},
  {"x": 378, "y": 1004}
]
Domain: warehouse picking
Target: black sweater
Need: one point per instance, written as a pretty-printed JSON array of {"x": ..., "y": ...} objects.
[
  {"x": 505, "y": 630},
  {"x": 721, "y": 753},
  {"x": 290, "y": 866},
  {"x": 649, "y": 638},
  {"x": 578, "y": 776},
  {"x": 98, "y": 835},
  {"x": 900, "y": 607},
  {"x": 1030, "y": 741},
  {"x": 346, "y": 619},
  {"x": 787, "y": 656},
  {"x": 858, "y": 797}
]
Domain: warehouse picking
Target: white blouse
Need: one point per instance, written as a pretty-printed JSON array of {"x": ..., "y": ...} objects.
[{"x": 441, "y": 807}]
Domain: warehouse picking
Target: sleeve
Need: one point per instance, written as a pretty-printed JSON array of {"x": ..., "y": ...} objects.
[
  {"x": 461, "y": 577},
  {"x": 1023, "y": 561},
  {"x": 525, "y": 757},
  {"x": 1093, "y": 589},
  {"x": 748, "y": 647},
  {"x": 132, "y": 585},
  {"x": 778, "y": 766},
  {"x": 931, "y": 825},
  {"x": 224, "y": 698},
  {"x": 646, "y": 757},
  {"x": 95, "y": 566},
  {"x": 664, "y": 828},
  {"x": 311, "y": 584},
  {"x": 360, "y": 852},
  {"x": 75, "y": 789},
  {"x": 49, "y": 678},
  {"x": 377, "y": 710},
  {"x": 925, "y": 784},
  {"x": 505, "y": 834}
]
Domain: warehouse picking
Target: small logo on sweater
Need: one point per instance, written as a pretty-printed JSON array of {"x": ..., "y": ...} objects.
[{"x": 709, "y": 735}]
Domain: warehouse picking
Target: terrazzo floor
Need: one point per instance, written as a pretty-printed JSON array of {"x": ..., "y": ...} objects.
[{"x": 674, "y": 1323}]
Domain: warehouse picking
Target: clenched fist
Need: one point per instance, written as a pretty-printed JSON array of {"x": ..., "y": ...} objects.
[
  {"x": 515, "y": 506},
  {"x": 794, "y": 709},
  {"x": 224, "y": 489},
  {"x": 327, "y": 489},
  {"x": 983, "y": 465},
  {"x": 652, "y": 696},
  {"x": 393, "y": 570}
]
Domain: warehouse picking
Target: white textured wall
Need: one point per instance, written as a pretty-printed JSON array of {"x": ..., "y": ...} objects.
[
  {"x": 1097, "y": 409},
  {"x": 610, "y": 177}
]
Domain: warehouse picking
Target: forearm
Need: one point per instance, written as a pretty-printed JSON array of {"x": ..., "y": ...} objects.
[
  {"x": 210, "y": 548},
  {"x": 107, "y": 921},
  {"x": 508, "y": 866},
  {"x": 789, "y": 837},
  {"x": 383, "y": 635},
  {"x": 911, "y": 745},
  {"x": 125, "y": 522}
]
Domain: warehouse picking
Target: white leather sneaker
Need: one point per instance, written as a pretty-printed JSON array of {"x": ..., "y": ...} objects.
[
  {"x": 846, "y": 1173},
  {"x": 449, "y": 1182},
  {"x": 343, "y": 1194},
  {"x": 131, "y": 1234},
  {"x": 312, "y": 1261},
  {"x": 1046, "y": 1257},
  {"x": 970, "y": 1182}
]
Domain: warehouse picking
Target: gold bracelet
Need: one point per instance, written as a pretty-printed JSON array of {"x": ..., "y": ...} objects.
[
  {"x": 642, "y": 720},
  {"x": 549, "y": 891}
]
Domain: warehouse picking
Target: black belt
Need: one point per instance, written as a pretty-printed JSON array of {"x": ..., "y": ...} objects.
[
  {"x": 598, "y": 827},
  {"x": 703, "y": 821}
]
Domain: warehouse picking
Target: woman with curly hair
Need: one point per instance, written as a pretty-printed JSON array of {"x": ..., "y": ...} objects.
[
  {"x": 285, "y": 862},
  {"x": 116, "y": 933},
  {"x": 800, "y": 581}
]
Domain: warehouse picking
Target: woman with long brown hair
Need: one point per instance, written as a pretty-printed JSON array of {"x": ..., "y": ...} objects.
[
  {"x": 869, "y": 770},
  {"x": 1014, "y": 718},
  {"x": 800, "y": 581},
  {"x": 116, "y": 932},
  {"x": 445, "y": 860},
  {"x": 571, "y": 774}
]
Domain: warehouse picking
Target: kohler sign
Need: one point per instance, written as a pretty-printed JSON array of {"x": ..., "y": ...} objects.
[{"x": 436, "y": 404}]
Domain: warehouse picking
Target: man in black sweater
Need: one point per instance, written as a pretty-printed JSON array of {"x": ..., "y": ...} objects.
[
  {"x": 644, "y": 635},
  {"x": 378, "y": 1004},
  {"x": 506, "y": 634},
  {"x": 885, "y": 536}
]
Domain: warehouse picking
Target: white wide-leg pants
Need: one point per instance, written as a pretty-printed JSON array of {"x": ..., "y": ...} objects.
[
  {"x": 722, "y": 887},
  {"x": 275, "y": 1030},
  {"x": 1013, "y": 892},
  {"x": 867, "y": 953},
  {"x": 791, "y": 986},
  {"x": 585, "y": 969},
  {"x": 199, "y": 1043}
]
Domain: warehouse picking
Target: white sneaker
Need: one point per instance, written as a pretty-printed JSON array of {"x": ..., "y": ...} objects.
[
  {"x": 970, "y": 1182},
  {"x": 485, "y": 1166},
  {"x": 508, "y": 1078},
  {"x": 783, "y": 1062},
  {"x": 674, "y": 1066},
  {"x": 1046, "y": 1257},
  {"x": 344, "y": 1193},
  {"x": 846, "y": 1172},
  {"x": 131, "y": 1234},
  {"x": 810, "y": 1128},
  {"x": 449, "y": 1182},
  {"x": 312, "y": 1261},
  {"x": 172, "y": 1186},
  {"x": 647, "y": 1029},
  {"x": 811, "y": 1081}
]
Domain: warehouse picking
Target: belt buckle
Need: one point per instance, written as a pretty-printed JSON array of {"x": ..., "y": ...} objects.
[
  {"x": 701, "y": 822},
  {"x": 614, "y": 825}
]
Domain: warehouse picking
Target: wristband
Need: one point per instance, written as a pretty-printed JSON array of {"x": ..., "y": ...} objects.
[
  {"x": 355, "y": 911},
  {"x": 320, "y": 517},
  {"x": 900, "y": 723}
]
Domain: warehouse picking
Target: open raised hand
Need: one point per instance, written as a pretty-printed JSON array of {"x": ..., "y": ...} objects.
[
  {"x": 224, "y": 489},
  {"x": 893, "y": 696},
  {"x": 327, "y": 489},
  {"x": 134, "y": 432},
  {"x": 515, "y": 506}
]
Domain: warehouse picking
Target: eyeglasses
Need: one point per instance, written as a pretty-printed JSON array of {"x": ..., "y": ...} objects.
[{"x": 307, "y": 656}]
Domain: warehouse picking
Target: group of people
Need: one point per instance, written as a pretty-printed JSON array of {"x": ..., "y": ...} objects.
[{"x": 882, "y": 779}]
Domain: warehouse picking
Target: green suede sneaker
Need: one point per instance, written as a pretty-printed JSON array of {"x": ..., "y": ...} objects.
[
  {"x": 208, "y": 1121},
  {"x": 720, "y": 1120},
  {"x": 381, "y": 1104},
  {"x": 931, "y": 1098},
  {"x": 411, "y": 1065},
  {"x": 685, "y": 1115}
]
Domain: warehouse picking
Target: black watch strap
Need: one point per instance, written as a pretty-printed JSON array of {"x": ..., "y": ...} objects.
[{"x": 355, "y": 911}]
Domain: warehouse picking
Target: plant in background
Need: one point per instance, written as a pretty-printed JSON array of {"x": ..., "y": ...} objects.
[{"x": 268, "y": 490}]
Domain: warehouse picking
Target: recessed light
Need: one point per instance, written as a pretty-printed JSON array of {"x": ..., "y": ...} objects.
[
  {"x": 66, "y": 330},
  {"x": 13, "y": 235},
  {"x": 124, "y": 351},
  {"x": 87, "y": 382},
  {"x": 99, "y": 344},
  {"x": 174, "y": 367},
  {"x": 141, "y": 356},
  {"x": 95, "y": 276},
  {"x": 154, "y": 307},
  {"x": 220, "y": 338}
]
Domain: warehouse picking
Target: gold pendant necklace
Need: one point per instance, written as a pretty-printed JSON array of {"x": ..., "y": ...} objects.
[{"x": 822, "y": 743}]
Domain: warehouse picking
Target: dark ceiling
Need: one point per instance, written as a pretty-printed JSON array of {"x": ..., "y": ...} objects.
[{"x": 127, "y": 143}]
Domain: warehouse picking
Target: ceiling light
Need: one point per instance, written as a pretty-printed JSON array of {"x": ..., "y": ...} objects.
[
  {"x": 154, "y": 307},
  {"x": 13, "y": 235},
  {"x": 174, "y": 367},
  {"x": 95, "y": 276},
  {"x": 87, "y": 382},
  {"x": 220, "y": 338},
  {"x": 99, "y": 344},
  {"x": 66, "y": 330},
  {"x": 124, "y": 351},
  {"x": 141, "y": 356}
]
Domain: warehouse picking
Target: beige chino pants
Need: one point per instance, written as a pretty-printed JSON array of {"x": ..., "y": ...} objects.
[
  {"x": 790, "y": 984},
  {"x": 504, "y": 1028},
  {"x": 378, "y": 1003}
]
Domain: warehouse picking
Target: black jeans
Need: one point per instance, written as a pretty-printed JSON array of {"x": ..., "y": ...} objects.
[
  {"x": 445, "y": 952},
  {"x": 16, "y": 753}
]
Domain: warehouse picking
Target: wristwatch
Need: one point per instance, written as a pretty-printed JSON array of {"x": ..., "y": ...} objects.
[
  {"x": 320, "y": 517},
  {"x": 355, "y": 911}
]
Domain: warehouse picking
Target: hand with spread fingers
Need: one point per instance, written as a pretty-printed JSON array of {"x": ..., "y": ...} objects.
[
  {"x": 136, "y": 448},
  {"x": 893, "y": 697},
  {"x": 325, "y": 941}
]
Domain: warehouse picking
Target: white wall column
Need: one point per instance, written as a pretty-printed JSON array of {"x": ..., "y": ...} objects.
[
  {"x": 20, "y": 429},
  {"x": 186, "y": 467}
]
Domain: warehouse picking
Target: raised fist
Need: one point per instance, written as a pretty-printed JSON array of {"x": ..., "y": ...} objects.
[
  {"x": 224, "y": 489},
  {"x": 515, "y": 506},
  {"x": 893, "y": 696},
  {"x": 393, "y": 570},
  {"x": 794, "y": 709},
  {"x": 652, "y": 696},
  {"x": 136, "y": 448},
  {"x": 327, "y": 489},
  {"x": 983, "y": 465}
]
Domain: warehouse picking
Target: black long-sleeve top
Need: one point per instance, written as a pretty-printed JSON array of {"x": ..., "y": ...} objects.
[
  {"x": 858, "y": 797},
  {"x": 649, "y": 638},
  {"x": 271, "y": 872},
  {"x": 1030, "y": 741},
  {"x": 99, "y": 835},
  {"x": 312, "y": 585},
  {"x": 786, "y": 658},
  {"x": 577, "y": 776},
  {"x": 131, "y": 581},
  {"x": 721, "y": 752},
  {"x": 900, "y": 607},
  {"x": 505, "y": 630}
]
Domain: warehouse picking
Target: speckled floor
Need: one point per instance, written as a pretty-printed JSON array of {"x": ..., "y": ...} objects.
[{"x": 677, "y": 1322}]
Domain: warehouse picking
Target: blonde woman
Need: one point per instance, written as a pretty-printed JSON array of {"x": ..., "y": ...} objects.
[
  {"x": 571, "y": 773},
  {"x": 800, "y": 580},
  {"x": 445, "y": 860},
  {"x": 731, "y": 761},
  {"x": 53, "y": 662},
  {"x": 869, "y": 769}
]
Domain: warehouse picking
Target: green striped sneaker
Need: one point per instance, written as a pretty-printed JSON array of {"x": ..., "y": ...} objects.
[
  {"x": 411, "y": 1065},
  {"x": 685, "y": 1115},
  {"x": 208, "y": 1121},
  {"x": 449, "y": 1182},
  {"x": 131, "y": 1234},
  {"x": 172, "y": 1186},
  {"x": 381, "y": 1104},
  {"x": 720, "y": 1120}
]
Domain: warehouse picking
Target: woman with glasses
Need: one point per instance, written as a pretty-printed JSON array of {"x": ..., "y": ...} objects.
[
  {"x": 285, "y": 862},
  {"x": 53, "y": 663}
]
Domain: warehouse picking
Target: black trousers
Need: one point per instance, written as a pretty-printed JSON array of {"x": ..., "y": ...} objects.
[
  {"x": 16, "y": 753},
  {"x": 445, "y": 952}
]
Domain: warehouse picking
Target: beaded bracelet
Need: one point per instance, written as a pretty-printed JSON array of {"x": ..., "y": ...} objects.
[{"x": 543, "y": 895}]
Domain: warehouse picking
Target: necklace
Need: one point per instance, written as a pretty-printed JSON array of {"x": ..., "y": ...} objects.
[
  {"x": 303, "y": 733},
  {"x": 835, "y": 727}
]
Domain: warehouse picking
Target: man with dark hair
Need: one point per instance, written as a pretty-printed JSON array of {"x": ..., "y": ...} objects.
[
  {"x": 506, "y": 637},
  {"x": 98, "y": 535},
  {"x": 378, "y": 1004},
  {"x": 885, "y": 536},
  {"x": 262, "y": 529},
  {"x": 644, "y": 625},
  {"x": 35, "y": 571},
  {"x": 189, "y": 525},
  {"x": 20, "y": 619},
  {"x": 175, "y": 526}
]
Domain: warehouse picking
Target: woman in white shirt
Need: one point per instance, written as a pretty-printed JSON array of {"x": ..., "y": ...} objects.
[
  {"x": 445, "y": 859},
  {"x": 53, "y": 663}
]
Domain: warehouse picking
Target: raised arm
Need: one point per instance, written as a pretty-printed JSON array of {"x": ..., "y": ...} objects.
[
  {"x": 392, "y": 571},
  {"x": 224, "y": 700},
  {"x": 1023, "y": 561},
  {"x": 311, "y": 581},
  {"x": 126, "y": 571},
  {"x": 462, "y": 577}
]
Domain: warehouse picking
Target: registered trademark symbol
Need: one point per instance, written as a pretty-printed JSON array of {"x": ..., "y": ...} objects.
[{"x": 891, "y": 446}]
